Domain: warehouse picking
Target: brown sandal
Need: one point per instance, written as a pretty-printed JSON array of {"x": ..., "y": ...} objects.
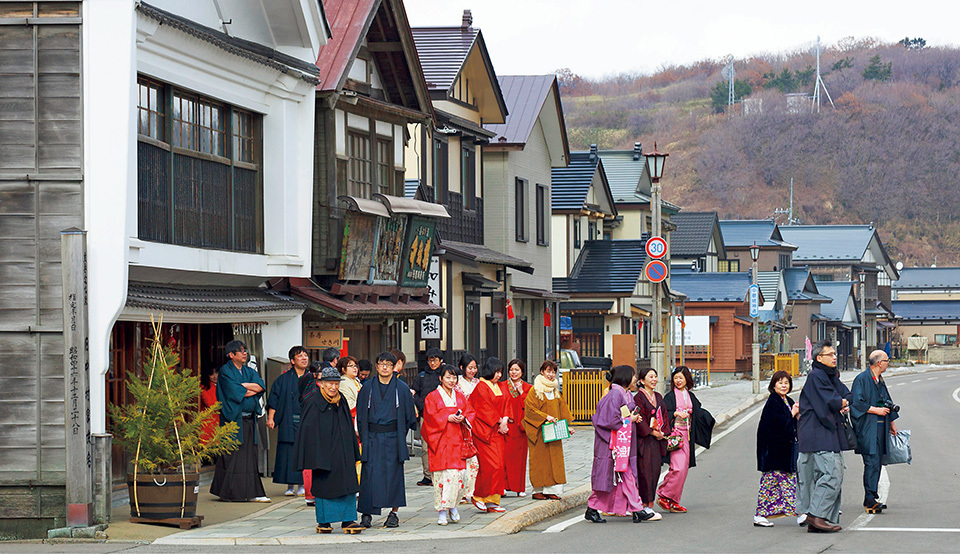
[{"x": 540, "y": 496}]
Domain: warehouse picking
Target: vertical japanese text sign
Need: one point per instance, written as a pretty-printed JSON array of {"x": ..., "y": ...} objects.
[
  {"x": 421, "y": 237},
  {"x": 430, "y": 325}
]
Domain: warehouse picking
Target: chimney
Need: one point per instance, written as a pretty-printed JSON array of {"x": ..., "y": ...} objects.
[
  {"x": 467, "y": 20},
  {"x": 637, "y": 151},
  {"x": 593, "y": 151}
]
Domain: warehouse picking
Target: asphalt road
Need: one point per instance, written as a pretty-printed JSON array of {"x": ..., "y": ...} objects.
[{"x": 721, "y": 497}]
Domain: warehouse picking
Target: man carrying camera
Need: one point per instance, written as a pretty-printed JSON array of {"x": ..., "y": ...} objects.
[{"x": 873, "y": 412}]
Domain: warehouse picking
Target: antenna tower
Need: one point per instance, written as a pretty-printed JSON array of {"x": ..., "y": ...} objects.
[
  {"x": 729, "y": 73},
  {"x": 818, "y": 84},
  {"x": 789, "y": 213}
]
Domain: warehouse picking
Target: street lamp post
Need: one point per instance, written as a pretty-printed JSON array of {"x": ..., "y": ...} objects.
[
  {"x": 655, "y": 163},
  {"x": 755, "y": 255},
  {"x": 863, "y": 321}
]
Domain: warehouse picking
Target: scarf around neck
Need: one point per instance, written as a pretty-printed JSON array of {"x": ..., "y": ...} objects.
[
  {"x": 331, "y": 399},
  {"x": 826, "y": 369},
  {"x": 542, "y": 385}
]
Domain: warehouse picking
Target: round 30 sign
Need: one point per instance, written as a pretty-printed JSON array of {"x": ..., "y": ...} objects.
[
  {"x": 656, "y": 247},
  {"x": 655, "y": 271}
]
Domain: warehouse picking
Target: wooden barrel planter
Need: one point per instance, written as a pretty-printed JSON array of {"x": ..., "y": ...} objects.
[{"x": 159, "y": 498}]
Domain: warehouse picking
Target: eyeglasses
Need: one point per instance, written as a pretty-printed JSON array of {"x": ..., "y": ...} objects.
[
  {"x": 385, "y": 364},
  {"x": 884, "y": 361},
  {"x": 352, "y": 365},
  {"x": 829, "y": 354}
]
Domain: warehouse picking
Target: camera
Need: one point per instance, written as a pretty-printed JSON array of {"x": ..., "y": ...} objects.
[{"x": 890, "y": 405}]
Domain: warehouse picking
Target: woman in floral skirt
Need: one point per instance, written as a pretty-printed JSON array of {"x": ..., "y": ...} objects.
[
  {"x": 445, "y": 414},
  {"x": 777, "y": 453}
]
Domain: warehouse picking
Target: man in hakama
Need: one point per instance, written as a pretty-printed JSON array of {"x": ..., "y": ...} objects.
[{"x": 283, "y": 414}]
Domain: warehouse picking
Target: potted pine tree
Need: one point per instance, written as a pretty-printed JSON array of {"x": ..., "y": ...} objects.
[{"x": 161, "y": 430}]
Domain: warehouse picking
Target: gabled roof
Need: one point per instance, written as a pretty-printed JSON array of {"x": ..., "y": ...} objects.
[
  {"x": 527, "y": 97},
  {"x": 625, "y": 170},
  {"x": 800, "y": 285},
  {"x": 570, "y": 185},
  {"x": 829, "y": 242},
  {"x": 947, "y": 311},
  {"x": 605, "y": 266},
  {"x": 443, "y": 53},
  {"x": 743, "y": 233},
  {"x": 693, "y": 234},
  {"x": 383, "y": 23},
  {"x": 928, "y": 278},
  {"x": 769, "y": 283},
  {"x": 473, "y": 254},
  {"x": 713, "y": 287},
  {"x": 839, "y": 292}
]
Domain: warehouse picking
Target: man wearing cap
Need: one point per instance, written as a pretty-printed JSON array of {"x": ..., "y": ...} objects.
[{"x": 327, "y": 445}]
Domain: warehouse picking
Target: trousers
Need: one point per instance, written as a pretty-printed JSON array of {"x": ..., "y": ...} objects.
[{"x": 820, "y": 476}]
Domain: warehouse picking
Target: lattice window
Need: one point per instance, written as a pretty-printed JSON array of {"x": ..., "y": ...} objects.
[{"x": 360, "y": 180}]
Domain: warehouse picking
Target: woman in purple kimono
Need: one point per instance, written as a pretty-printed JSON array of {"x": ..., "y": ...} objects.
[{"x": 615, "y": 489}]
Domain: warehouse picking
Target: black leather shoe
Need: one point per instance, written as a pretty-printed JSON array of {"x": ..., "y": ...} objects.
[
  {"x": 593, "y": 516},
  {"x": 425, "y": 482},
  {"x": 392, "y": 521},
  {"x": 366, "y": 520}
]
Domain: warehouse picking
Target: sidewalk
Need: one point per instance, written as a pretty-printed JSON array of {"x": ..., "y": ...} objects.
[{"x": 291, "y": 522}]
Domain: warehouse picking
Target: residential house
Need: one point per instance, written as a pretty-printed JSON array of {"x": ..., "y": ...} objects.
[
  {"x": 841, "y": 321},
  {"x": 802, "y": 311},
  {"x": 186, "y": 163},
  {"x": 927, "y": 303},
  {"x": 841, "y": 253},
  {"x": 472, "y": 278},
  {"x": 740, "y": 234},
  {"x": 371, "y": 245},
  {"x": 630, "y": 186},
  {"x": 516, "y": 178},
  {"x": 774, "y": 289},
  {"x": 696, "y": 245},
  {"x": 723, "y": 296}
]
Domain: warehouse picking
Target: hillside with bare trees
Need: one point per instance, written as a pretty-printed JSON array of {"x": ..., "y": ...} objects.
[{"x": 887, "y": 151}]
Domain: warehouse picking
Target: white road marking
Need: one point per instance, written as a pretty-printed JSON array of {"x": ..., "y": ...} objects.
[
  {"x": 913, "y": 529},
  {"x": 558, "y": 527},
  {"x": 883, "y": 489},
  {"x": 916, "y": 381},
  {"x": 956, "y": 395},
  {"x": 931, "y": 378},
  {"x": 900, "y": 384}
]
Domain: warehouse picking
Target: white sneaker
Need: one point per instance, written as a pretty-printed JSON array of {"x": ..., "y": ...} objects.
[
  {"x": 656, "y": 515},
  {"x": 442, "y": 518},
  {"x": 802, "y": 519},
  {"x": 760, "y": 521},
  {"x": 454, "y": 515},
  {"x": 262, "y": 499}
]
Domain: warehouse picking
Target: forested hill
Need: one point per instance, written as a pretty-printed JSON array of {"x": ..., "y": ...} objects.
[{"x": 888, "y": 153}]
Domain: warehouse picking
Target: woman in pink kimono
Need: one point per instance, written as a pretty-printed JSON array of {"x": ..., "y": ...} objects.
[{"x": 613, "y": 477}]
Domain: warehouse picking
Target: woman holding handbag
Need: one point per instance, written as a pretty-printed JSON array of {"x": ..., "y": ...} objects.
[
  {"x": 445, "y": 413},
  {"x": 652, "y": 429},
  {"x": 545, "y": 404},
  {"x": 515, "y": 449},
  {"x": 682, "y": 405}
]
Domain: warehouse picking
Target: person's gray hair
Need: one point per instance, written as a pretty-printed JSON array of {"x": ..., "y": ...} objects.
[
  {"x": 818, "y": 348},
  {"x": 876, "y": 357}
]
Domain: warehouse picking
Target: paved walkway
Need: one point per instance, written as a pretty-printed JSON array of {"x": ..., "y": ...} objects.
[{"x": 292, "y": 522}]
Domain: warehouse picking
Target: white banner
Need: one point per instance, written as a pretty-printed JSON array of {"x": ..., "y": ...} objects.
[
  {"x": 696, "y": 332},
  {"x": 430, "y": 325}
]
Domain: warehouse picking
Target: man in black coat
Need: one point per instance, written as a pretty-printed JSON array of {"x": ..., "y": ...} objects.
[
  {"x": 822, "y": 440},
  {"x": 424, "y": 384},
  {"x": 327, "y": 445}
]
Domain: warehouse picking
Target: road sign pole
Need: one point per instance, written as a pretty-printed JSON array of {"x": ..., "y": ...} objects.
[{"x": 756, "y": 336}]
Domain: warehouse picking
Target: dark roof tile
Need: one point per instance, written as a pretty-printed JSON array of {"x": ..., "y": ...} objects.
[
  {"x": 606, "y": 266},
  {"x": 712, "y": 287},
  {"x": 693, "y": 234}
]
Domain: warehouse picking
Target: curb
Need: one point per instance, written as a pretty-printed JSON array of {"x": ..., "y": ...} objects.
[{"x": 515, "y": 521}]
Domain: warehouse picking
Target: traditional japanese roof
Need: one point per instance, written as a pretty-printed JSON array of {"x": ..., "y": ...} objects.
[
  {"x": 933, "y": 311},
  {"x": 829, "y": 242},
  {"x": 625, "y": 170},
  {"x": 740, "y": 233},
  {"x": 605, "y": 266},
  {"x": 928, "y": 278},
  {"x": 693, "y": 234},
  {"x": 838, "y": 292},
  {"x": 208, "y": 300},
  {"x": 713, "y": 287},
  {"x": 570, "y": 185},
  {"x": 244, "y": 48},
  {"x": 527, "y": 97},
  {"x": 383, "y": 23},
  {"x": 800, "y": 285},
  {"x": 357, "y": 302},
  {"x": 473, "y": 254}
]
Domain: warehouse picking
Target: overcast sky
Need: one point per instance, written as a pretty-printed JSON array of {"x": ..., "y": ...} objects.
[{"x": 606, "y": 37}]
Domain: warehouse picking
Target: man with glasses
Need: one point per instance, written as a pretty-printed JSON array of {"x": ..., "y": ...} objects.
[
  {"x": 822, "y": 442},
  {"x": 873, "y": 421},
  {"x": 384, "y": 415},
  {"x": 236, "y": 476}
]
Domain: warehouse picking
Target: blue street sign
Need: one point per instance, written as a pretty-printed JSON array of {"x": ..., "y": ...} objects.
[{"x": 754, "y": 300}]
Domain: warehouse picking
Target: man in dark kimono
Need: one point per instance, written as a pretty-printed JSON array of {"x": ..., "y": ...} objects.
[
  {"x": 236, "y": 476},
  {"x": 327, "y": 445},
  {"x": 283, "y": 414},
  {"x": 821, "y": 439},
  {"x": 384, "y": 415},
  {"x": 873, "y": 421},
  {"x": 329, "y": 358}
]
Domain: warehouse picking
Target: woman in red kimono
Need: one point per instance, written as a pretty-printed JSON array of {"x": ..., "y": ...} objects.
[
  {"x": 515, "y": 449},
  {"x": 491, "y": 414},
  {"x": 208, "y": 397},
  {"x": 445, "y": 426}
]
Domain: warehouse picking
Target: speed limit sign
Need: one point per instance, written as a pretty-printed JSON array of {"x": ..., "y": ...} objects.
[{"x": 656, "y": 247}]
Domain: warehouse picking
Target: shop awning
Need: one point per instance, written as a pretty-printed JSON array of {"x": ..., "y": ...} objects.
[
  {"x": 474, "y": 254},
  {"x": 478, "y": 281},
  {"x": 400, "y": 205},
  {"x": 525, "y": 292},
  {"x": 593, "y": 307},
  {"x": 194, "y": 304},
  {"x": 362, "y": 302},
  {"x": 365, "y": 206}
]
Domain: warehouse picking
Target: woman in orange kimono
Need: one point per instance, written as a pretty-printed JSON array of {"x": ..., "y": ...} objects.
[
  {"x": 491, "y": 414},
  {"x": 445, "y": 431},
  {"x": 515, "y": 449},
  {"x": 208, "y": 397}
]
